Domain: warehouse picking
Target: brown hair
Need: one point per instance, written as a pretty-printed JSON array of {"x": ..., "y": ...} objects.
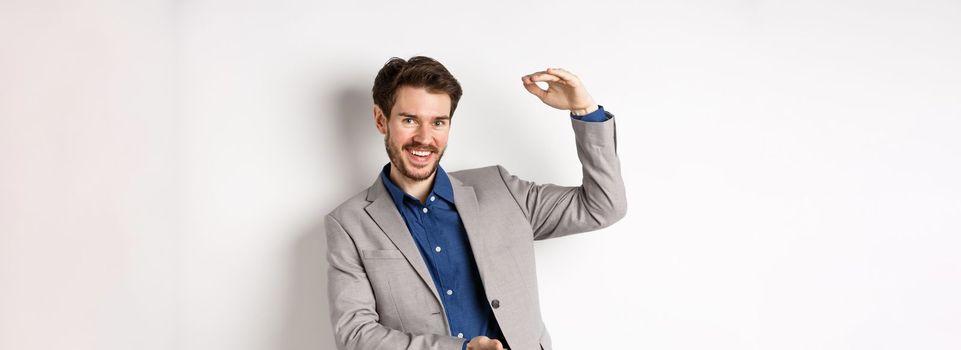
[{"x": 418, "y": 71}]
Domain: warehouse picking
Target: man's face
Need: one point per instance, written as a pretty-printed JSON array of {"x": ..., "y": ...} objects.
[{"x": 415, "y": 135}]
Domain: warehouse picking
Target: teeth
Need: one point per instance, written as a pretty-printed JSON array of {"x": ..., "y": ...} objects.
[{"x": 421, "y": 153}]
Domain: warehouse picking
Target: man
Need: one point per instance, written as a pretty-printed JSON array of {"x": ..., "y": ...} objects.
[{"x": 425, "y": 259}]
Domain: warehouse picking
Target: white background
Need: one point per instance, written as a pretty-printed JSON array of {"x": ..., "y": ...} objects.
[{"x": 791, "y": 166}]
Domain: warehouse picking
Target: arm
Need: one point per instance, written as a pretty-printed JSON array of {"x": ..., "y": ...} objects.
[
  {"x": 599, "y": 201},
  {"x": 352, "y": 305},
  {"x": 555, "y": 211}
]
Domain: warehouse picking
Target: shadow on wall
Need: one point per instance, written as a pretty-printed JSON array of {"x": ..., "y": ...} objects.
[
  {"x": 307, "y": 318},
  {"x": 356, "y": 140},
  {"x": 308, "y": 326}
]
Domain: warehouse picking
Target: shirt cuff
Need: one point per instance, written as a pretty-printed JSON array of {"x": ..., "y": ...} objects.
[
  {"x": 595, "y": 116},
  {"x": 465, "y": 345}
]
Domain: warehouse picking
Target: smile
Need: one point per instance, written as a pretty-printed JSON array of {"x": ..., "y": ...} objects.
[{"x": 420, "y": 156}]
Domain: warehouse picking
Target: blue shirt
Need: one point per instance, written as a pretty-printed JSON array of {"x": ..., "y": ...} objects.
[{"x": 442, "y": 240}]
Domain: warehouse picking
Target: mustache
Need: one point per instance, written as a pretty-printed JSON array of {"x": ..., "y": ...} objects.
[{"x": 420, "y": 147}]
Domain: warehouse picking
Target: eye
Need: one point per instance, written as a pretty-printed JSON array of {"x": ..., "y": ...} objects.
[
  {"x": 408, "y": 121},
  {"x": 440, "y": 122}
]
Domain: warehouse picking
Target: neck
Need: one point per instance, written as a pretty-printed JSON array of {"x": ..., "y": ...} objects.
[{"x": 415, "y": 188}]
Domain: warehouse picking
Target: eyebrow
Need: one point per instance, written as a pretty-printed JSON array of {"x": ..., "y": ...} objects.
[{"x": 405, "y": 114}]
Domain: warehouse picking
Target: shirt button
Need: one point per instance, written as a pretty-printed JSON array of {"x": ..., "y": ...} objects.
[
  {"x": 432, "y": 198},
  {"x": 450, "y": 292},
  {"x": 495, "y": 303},
  {"x": 437, "y": 249},
  {"x": 460, "y": 335},
  {"x": 425, "y": 210}
]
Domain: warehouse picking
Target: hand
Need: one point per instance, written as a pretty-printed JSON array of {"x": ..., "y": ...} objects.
[
  {"x": 484, "y": 343},
  {"x": 564, "y": 91}
]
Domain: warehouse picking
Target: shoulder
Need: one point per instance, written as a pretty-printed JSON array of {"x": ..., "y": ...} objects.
[
  {"x": 351, "y": 207},
  {"x": 485, "y": 176}
]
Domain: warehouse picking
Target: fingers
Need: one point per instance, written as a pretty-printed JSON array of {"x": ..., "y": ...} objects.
[
  {"x": 543, "y": 76},
  {"x": 530, "y": 80},
  {"x": 566, "y": 76},
  {"x": 484, "y": 343},
  {"x": 534, "y": 89},
  {"x": 479, "y": 343},
  {"x": 551, "y": 75}
]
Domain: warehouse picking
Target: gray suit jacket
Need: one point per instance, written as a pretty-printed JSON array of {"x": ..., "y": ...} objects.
[{"x": 381, "y": 293}]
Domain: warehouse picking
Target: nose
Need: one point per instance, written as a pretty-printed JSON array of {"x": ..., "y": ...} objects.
[{"x": 422, "y": 135}]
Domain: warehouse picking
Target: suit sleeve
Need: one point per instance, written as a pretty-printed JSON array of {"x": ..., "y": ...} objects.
[
  {"x": 600, "y": 200},
  {"x": 352, "y": 306}
]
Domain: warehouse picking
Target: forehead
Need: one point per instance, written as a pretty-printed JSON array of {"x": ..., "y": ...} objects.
[{"x": 420, "y": 102}]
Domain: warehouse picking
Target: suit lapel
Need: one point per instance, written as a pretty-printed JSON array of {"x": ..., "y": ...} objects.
[
  {"x": 466, "y": 201},
  {"x": 385, "y": 214}
]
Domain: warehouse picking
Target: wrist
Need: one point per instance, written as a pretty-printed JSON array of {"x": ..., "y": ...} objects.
[{"x": 578, "y": 112}]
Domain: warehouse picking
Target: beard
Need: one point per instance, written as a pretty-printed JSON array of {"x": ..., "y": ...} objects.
[{"x": 399, "y": 160}]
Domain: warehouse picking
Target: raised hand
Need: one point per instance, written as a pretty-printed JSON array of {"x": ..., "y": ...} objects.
[{"x": 564, "y": 90}]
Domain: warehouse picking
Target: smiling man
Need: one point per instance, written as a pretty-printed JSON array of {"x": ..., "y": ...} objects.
[{"x": 425, "y": 259}]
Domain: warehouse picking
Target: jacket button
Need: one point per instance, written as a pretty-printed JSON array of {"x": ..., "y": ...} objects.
[{"x": 495, "y": 303}]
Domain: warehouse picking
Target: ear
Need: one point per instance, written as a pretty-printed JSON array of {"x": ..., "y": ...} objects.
[{"x": 380, "y": 120}]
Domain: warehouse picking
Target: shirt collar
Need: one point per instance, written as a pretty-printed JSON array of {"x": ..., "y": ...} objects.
[{"x": 442, "y": 186}]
